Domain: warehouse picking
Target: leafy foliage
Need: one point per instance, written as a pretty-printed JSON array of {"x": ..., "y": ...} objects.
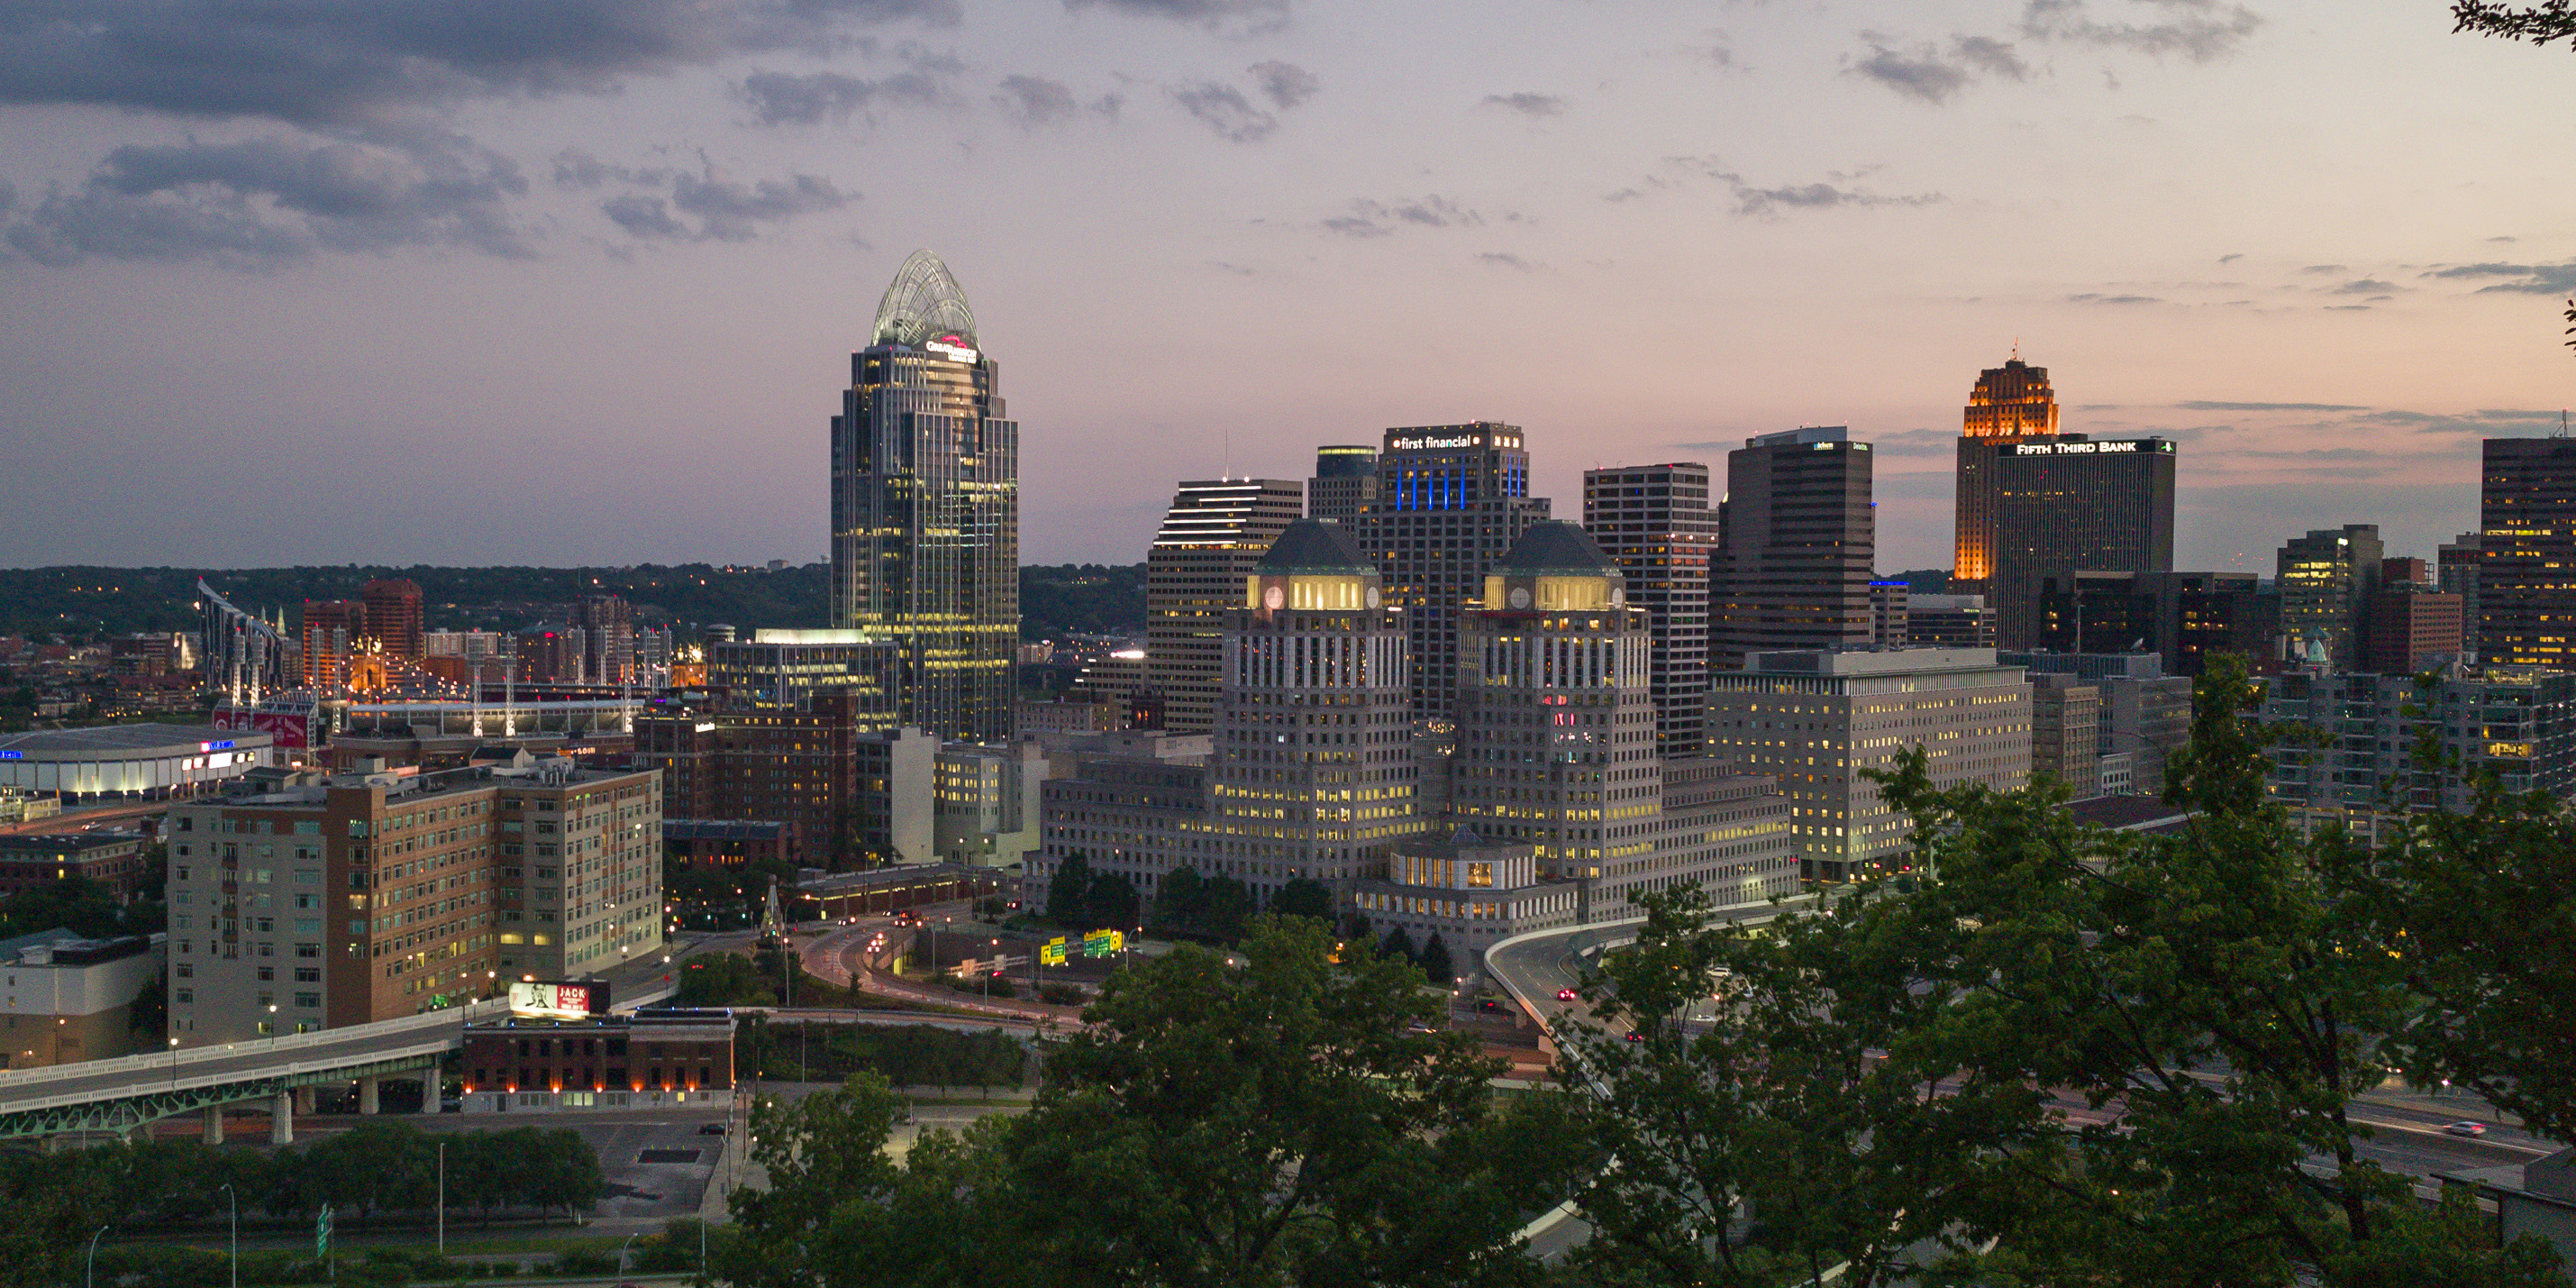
[{"x": 2547, "y": 21}]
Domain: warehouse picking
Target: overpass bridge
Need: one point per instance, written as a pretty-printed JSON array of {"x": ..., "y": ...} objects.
[{"x": 127, "y": 1094}]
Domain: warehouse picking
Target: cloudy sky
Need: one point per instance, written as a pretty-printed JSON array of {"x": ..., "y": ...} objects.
[{"x": 575, "y": 281}]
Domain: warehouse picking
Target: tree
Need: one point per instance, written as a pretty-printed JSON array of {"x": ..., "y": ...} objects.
[
  {"x": 1111, "y": 902},
  {"x": 1303, "y": 897},
  {"x": 826, "y": 1161},
  {"x": 1068, "y": 887},
  {"x": 1229, "y": 907},
  {"x": 1397, "y": 944},
  {"x": 1435, "y": 960},
  {"x": 726, "y": 979},
  {"x": 2547, "y": 21},
  {"x": 1180, "y": 899}
]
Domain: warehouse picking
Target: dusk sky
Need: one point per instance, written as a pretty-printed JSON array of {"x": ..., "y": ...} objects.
[{"x": 576, "y": 281}]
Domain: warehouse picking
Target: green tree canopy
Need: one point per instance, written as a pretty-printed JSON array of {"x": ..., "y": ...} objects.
[{"x": 1303, "y": 897}]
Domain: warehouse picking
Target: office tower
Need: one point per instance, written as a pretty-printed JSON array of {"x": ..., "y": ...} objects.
[
  {"x": 548, "y": 653},
  {"x": 1450, "y": 500},
  {"x": 1556, "y": 742},
  {"x": 1344, "y": 486},
  {"x": 2526, "y": 579},
  {"x": 1314, "y": 771},
  {"x": 1212, "y": 536},
  {"x": 2065, "y": 734},
  {"x": 1890, "y": 607},
  {"x": 2069, "y": 503},
  {"x": 1948, "y": 621},
  {"x": 2010, "y": 403},
  {"x": 2327, "y": 578},
  {"x": 2185, "y": 616},
  {"x": 2145, "y": 712},
  {"x": 2456, "y": 570},
  {"x": 784, "y": 670},
  {"x": 926, "y": 507},
  {"x": 1817, "y": 719},
  {"x": 335, "y": 632},
  {"x": 393, "y": 617},
  {"x": 2411, "y": 627},
  {"x": 1655, "y": 522},
  {"x": 853, "y": 787},
  {"x": 463, "y": 876},
  {"x": 1800, "y": 537},
  {"x": 607, "y": 625}
]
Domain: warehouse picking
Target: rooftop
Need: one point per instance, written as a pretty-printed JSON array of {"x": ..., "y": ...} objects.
[
  {"x": 1315, "y": 546},
  {"x": 128, "y": 739},
  {"x": 1556, "y": 548}
]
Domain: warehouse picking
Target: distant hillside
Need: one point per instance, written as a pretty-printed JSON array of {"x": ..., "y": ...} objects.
[{"x": 92, "y": 602}]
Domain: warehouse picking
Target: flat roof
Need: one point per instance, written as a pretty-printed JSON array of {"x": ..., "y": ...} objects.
[
  {"x": 76, "y": 841},
  {"x": 127, "y": 740},
  {"x": 720, "y": 829}
]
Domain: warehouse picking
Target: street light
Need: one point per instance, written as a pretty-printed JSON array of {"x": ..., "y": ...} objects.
[
  {"x": 234, "y": 1196},
  {"x": 90, "y": 1275},
  {"x": 174, "y": 1062},
  {"x": 621, "y": 1253}
]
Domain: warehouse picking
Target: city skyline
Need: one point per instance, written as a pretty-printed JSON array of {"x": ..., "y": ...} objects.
[{"x": 649, "y": 249}]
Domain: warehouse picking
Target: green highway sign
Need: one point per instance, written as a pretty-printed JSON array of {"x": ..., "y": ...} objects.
[{"x": 322, "y": 1232}]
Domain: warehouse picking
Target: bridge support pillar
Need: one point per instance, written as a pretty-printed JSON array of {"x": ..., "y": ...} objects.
[
  {"x": 367, "y": 1095},
  {"x": 281, "y": 1119},
  {"x": 304, "y": 1099},
  {"x": 214, "y": 1124}
]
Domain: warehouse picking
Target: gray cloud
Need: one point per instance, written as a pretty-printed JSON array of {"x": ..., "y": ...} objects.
[
  {"x": 729, "y": 211},
  {"x": 2204, "y": 405},
  {"x": 2487, "y": 421},
  {"x": 267, "y": 202},
  {"x": 2364, "y": 286},
  {"x": 1922, "y": 71},
  {"x": 1379, "y": 218},
  {"x": 2230, "y": 259},
  {"x": 1285, "y": 84},
  {"x": 2091, "y": 297},
  {"x": 2322, "y": 270},
  {"x": 2537, "y": 279},
  {"x": 645, "y": 216},
  {"x": 1916, "y": 442},
  {"x": 1528, "y": 104},
  {"x": 365, "y": 63},
  {"x": 779, "y": 98},
  {"x": 1224, "y": 109},
  {"x": 1032, "y": 101},
  {"x": 1237, "y": 16},
  {"x": 1501, "y": 259},
  {"x": 2199, "y": 30}
]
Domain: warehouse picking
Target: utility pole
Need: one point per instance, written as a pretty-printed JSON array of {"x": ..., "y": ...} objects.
[{"x": 442, "y": 1198}]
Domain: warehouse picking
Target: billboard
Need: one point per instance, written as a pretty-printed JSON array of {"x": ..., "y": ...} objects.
[
  {"x": 290, "y": 729},
  {"x": 555, "y": 1001}
]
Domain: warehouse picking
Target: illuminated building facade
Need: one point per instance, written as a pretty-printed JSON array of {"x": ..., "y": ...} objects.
[
  {"x": 2010, "y": 403},
  {"x": 2068, "y": 503},
  {"x": 1345, "y": 484},
  {"x": 1216, "y": 530},
  {"x": 2525, "y": 584},
  {"x": 1656, "y": 523},
  {"x": 335, "y": 632},
  {"x": 2186, "y": 617},
  {"x": 1816, "y": 720},
  {"x": 1556, "y": 745},
  {"x": 1801, "y": 533},
  {"x": 2327, "y": 579},
  {"x": 393, "y": 617},
  {"x": 782, "y": 670},
  {"x": 926, "y": 508},
  {"x": 1450, "y": 500},
  {"x": 2517, "y": 723}
]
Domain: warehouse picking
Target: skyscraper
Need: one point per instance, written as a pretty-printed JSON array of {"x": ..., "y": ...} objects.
[
  {"x": 2526, "y": 555},
  {"x": 1801, "y": 533},
  {"x": 1450, "y": 500},
  {"x": 1214, "y": 533},
  {"x": 1344, "y": 486},
  {"x": 2068, "y": 503},
  {"x": 393, "y": 617},
  {"x": 2327, "y": 578},
  {"x": 1556, "y": 741},
  {"x": 607, "y": 626},
  {"x": 1314, "y": 772},
  {"x": 926, "y": 507},
  {"x": 2010, "y": 403},
  {"x": 1656, "y": 523}
]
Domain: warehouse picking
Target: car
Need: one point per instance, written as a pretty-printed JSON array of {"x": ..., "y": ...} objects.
[
  {"x": 713, "y": 1129},
  {"x": 1635, "y": 1036},
  {"x": 2465, "y": 1128},
  {"x": 1565, "y": 995}
]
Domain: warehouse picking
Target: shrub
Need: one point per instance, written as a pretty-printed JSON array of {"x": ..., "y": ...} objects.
[
  {"x": 1063, "y": 994},
  {"x": 581, "y": 1261}
]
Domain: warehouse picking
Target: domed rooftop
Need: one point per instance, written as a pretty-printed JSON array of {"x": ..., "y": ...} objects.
[
  {"x": 923, "y": 303},
  {"x": 1556, "y": 548},
  {"x": 1315, "y": 546}
]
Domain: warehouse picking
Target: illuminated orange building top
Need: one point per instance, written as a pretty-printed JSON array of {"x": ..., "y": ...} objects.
[{"x": 2011, "y": 401}]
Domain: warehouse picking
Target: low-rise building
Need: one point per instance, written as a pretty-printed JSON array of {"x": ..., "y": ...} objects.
[
  {"x": 2064, "y": 738},
  {"x": 728, "y": 843},
  {"x": 70, "y": 999},
  {"x": 2363, "y": 730},
  {"x": 1817, "y": 719},
  {"x": 111, "y": 859},
  {"x": 2144, "y": 713},
  {"x": 1470, "y": 892},
  {"x": 622, "y": 1062},
  {"x": 137, "y": 761}
]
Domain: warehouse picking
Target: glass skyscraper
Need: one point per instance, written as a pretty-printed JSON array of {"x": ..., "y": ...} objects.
[
  {"x": 1451, "y": 499},
  {"x": 926, "y": 508}
]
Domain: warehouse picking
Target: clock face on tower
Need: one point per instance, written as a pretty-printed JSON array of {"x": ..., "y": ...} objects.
[
  {"x": 1617, "y": 596},
  {"x": 1520, "y": 597},
  {"x": 1274, "y": 598},
  {"x": 1372, "y": 596}
]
